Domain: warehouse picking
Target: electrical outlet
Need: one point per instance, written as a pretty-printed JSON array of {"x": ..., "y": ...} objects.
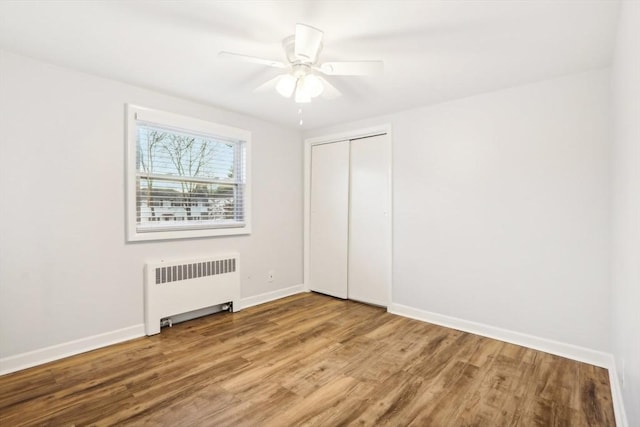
[{"x": 270, "y": 275}]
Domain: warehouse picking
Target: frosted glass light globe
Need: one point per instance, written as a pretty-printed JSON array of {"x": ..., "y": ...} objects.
[
  {"x": 313, "y": 85},
  {"x": 286, "y": 85}
]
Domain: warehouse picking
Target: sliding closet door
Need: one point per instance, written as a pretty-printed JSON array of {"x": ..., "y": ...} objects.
[
  {"x": 369, "y": 220},
  {"x": 329, "y": 215}
]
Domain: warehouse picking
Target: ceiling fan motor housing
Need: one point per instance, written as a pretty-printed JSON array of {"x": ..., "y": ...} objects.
[{"x": 300, "y": 70}]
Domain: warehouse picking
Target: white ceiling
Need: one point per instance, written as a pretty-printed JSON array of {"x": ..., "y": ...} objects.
[{"x": 433, "y": 50}]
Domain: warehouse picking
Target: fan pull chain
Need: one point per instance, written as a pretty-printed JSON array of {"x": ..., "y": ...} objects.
[{"x": 300, "y": 115}]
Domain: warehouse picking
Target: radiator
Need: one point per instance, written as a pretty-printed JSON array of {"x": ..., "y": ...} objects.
[{"x": 176, "y": 287}]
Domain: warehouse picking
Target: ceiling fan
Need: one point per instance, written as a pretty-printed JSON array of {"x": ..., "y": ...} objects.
[{"x": 304, "y": 76}]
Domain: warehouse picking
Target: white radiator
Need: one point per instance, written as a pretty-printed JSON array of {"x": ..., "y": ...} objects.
[{"x": 176, "y": 287}]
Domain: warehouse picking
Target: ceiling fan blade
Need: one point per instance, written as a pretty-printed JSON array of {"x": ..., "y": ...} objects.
[
  {"x": 308, "y": 42},
  {"x": 268, "y": 85},
  {"x": 351, "y": 68},
  {"x": 252, "y": 59},
  {"x": 330, "y": 92}
]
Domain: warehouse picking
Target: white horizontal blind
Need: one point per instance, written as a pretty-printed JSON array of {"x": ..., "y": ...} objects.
[{"x": 188, "y": 180}]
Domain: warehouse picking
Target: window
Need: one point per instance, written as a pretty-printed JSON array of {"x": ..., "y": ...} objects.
[{"x": 185, "y": 177}]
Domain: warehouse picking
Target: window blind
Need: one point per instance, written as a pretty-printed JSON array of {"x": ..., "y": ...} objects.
[{"x": 188, "y": 180}]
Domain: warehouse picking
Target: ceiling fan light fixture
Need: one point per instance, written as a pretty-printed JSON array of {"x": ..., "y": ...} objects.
[
  {"x": 286, "y": 85},
  {"x": 302, "y": 94},
  {"x": 313, "y": 85},
  {"x": 307, "y": 87}
]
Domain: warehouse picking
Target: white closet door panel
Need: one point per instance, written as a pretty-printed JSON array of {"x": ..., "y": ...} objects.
[
  {"x": 369, "y": 223},
  {"x": 329, "y": 218}
]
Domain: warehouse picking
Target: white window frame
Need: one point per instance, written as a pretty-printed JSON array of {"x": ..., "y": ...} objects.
[{"x": 134, "y": 114}]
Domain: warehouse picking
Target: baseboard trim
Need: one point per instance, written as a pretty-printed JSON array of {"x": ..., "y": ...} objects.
[
  {"x": 570, "y": 351},
  {"x": 271, "y": 296},
  {"x": 71, "y": 348},
  {"x": 616, "y": 395},
  {"x": 59, "y": 351}
]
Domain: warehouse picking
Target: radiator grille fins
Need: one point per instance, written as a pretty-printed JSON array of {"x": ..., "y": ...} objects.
[{"x": 175, "y": 273}]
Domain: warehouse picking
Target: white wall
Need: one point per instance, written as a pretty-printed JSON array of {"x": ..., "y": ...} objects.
[
  {"x": 65, "y": 270},
  {"x": 626, "y": 208},
  {"x": 501, "y": 208}
]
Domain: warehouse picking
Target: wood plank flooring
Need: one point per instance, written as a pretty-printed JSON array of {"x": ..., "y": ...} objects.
[{"x": 309, "y": 360}]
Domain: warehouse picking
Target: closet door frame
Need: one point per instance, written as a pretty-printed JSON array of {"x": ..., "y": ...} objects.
[{"x": 327, "y": 139}]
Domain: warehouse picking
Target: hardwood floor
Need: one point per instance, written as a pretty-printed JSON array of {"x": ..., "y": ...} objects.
[{"x": 309, "y": 360}]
